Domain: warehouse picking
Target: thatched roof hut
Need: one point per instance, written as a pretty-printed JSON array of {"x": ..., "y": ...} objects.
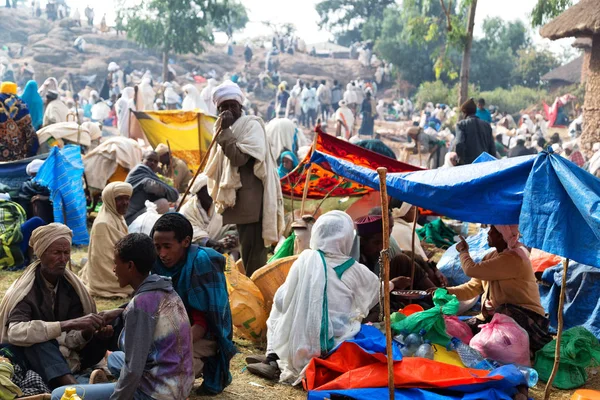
[
  {"x": 565, "y": 75},
  {"x": 583, "y": 21}
]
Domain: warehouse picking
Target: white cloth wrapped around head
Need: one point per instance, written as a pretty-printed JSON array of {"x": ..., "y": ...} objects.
[
  {"x": 227, "y": 91},
  {"x": 333, "y": 234},
  {"x": 33, "y": 167},
  {"x": 199, "y": 183}
]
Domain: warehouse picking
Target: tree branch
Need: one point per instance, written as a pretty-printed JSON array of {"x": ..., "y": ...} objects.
[{"x": 448, "y": 14}]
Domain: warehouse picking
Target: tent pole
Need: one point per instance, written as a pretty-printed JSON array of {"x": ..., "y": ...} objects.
[
  {"x": 199, "y": 137},
  {"x": 170, "y": 160},
  {"x": 203, "y": 161},
  {"x": 385, "y": 256},
  {"x": 307, "y": 181},
  {"x": 561, "y": 305},
  {"x": 412, "y": 256},
  {"x": 327, "y": 196}
]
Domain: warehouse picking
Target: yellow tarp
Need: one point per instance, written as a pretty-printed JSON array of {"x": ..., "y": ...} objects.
[{"x": 189, "y": 133}]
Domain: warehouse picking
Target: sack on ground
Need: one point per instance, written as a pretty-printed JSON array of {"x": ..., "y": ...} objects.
[
  {"x": 503, "y": 340},
  {"x": 457, "y": 328}
]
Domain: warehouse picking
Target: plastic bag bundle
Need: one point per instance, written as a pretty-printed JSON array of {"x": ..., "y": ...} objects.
[
  {"x": 432, "y": 320},
  {"x": 503, "y": 340},
  {"x": 457, "y": 328},
  {"x": 145, "y": 222},
  {"x": 247, "y": 305},
  {"x": 579, "y": 349}
]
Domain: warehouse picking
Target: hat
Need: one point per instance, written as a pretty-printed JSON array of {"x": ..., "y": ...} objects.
[
  {"x": 369, "y": 225},
  {"x": 469, "y": 107},
  {"x": 8, "y": 88},
  {"x": 161, "y": 149}
]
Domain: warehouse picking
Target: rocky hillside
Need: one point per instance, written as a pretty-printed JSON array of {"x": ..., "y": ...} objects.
[{"x": 48, "y": 46}]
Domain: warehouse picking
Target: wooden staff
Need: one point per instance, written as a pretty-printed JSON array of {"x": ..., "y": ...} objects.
[
  {"x": 385, "y": 217},
  {"x": 327, "y": 195},
  {"x": 199, "y": 136},
  {"x": 561, "y": 305},
  {"x": 200, "y": 168},
  {"x": 412, "y": 257},
  {"x": 170, "y": 160},
  {"x": 308, "y": 173}
]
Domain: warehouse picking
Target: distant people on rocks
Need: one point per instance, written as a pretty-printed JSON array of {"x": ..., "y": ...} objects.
[
  {"x": 310, "y": 104},
  {"x": 147, "y": 186},
  {"x": 76, "y": 17},
  {"x": 17, "y": 139},
  {"x": 89, "y": 15},
  {"x": 336, "y": 95},
  {"x": 248, "y": 54},
  {"x": 324, "y": 97},
  {"x": 79, "y": 44},
  {"x": 103, "y": 26},
  {"x": 344, "y": 119},
  {"x": 244, "y": 160},
  {"x": 473, "y": 136},
  {"x": 368, "y": 112},
  {"x": 282, "y": 100}
]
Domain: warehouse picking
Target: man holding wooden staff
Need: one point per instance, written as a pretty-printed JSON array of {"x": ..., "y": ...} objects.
[{"x": 242, "y": 177}]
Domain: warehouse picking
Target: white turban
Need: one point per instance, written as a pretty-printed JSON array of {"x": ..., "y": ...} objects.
[
  {"x": 199, "y": 183},
  {"x": 402, "y": 211},
  {"x": 44, "y": 236},
  {"x": 227, "y": 91},
  {"x": 33, "y": 167}
]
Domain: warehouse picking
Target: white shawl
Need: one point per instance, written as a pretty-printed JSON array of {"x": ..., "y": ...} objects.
[{"x": 224, "y": 179}]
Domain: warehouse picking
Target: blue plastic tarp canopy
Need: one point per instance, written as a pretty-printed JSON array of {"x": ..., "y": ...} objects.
[
  {"x": 487, "y": 192},
  {"x": 560, "y": 213}
]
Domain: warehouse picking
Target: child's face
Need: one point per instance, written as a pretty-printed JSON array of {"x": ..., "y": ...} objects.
[{"x": 122, "y": 270}]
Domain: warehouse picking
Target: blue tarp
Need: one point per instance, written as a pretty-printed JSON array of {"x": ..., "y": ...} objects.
[
  {"x": 554, "y": 201},
  {"x": 13, "y": 174},
  {"x": 581, "y": 297},
  {"x": 486, "y": 192},
  {"x": 449, "y": 264},
  {"x": 62, "y": 173},
  {"x": 560, "y": 212}
]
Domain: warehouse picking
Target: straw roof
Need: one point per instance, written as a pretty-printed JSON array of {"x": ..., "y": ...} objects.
[
  {"x": 569, "y": 73},
  {"x": 582, "y": 43},
  {"x": 581, "y": 20}
]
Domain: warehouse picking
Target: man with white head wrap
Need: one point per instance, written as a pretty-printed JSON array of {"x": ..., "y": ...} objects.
[
  {"x": 206, "y": 96},
  {"x": 209, "y": 230},
  {"x": 242, "y": 177},
  {"x": 48, "y": 315},
  {"x": 325, "y": 287}
]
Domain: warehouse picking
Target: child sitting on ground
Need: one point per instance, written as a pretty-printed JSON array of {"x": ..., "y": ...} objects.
[{"x": 155, "y": 366}]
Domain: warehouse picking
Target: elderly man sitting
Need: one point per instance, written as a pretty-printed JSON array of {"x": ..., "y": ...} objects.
[
  {"x": 173, "y": 167},
  {"x": 48, "y": 316}
]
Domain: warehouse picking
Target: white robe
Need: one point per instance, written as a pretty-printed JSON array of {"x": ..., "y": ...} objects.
[
  {"x": 193, "y": 100},
  {"x": 123, "y": 107},
  {"x": 206, "y": 95},
  {"x": 345, "y": 114}
]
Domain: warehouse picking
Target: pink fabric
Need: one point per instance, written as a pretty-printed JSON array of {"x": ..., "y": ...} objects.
[{"x": 510, "y": 234}]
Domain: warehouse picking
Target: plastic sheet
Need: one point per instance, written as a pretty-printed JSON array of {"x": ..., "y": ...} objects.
[{"x": 449, "y": 264}]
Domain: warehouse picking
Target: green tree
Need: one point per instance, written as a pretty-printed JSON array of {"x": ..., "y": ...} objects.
[
  {"x": 546, "y": 10},
  {"x": 234, "y": 19},
  {"x": 531, "y": 65},
  {"x": 345, "y": 18},
  {"x": 178, "y": 26}
]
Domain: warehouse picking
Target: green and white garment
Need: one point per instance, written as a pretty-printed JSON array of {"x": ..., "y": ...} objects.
[{"x": 12, "y": 216}]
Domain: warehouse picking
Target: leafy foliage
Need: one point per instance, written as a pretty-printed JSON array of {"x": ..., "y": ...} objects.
[
  {"x": 546, "y": 10},
  {"x": 181, "y": 26},
  {"x": 531, "y": 65},
  {"x": 234, "y": 19}
]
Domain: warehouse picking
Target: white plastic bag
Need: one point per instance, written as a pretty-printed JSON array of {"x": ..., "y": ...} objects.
[{"x": 145, "y": 222}]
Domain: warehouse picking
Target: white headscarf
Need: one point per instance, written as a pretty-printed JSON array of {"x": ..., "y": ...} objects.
[
  {"x": 171, "y": 97},
  {"x": 33, "y": 167},
  {"x": 122, "y": 107},
  {"x": 193, "y": 100},
  {"x": 148, "y": 93},
  {"x": 206, "y": 94},
  {"x": 227, "y": 91}
]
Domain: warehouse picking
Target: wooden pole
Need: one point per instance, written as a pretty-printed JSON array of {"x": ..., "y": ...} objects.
[
  {"x": 199, "y": 136},
  {"x": 327, "y": 195},
  {"x": 170, "y": 160},
  {"x": 561, "y": 304},
  {"x": 385, "y": 217},
  {"x": 307, "y": 181},
  {"x": 412, "y": 257},
  {"x": 200, "y": 168}
]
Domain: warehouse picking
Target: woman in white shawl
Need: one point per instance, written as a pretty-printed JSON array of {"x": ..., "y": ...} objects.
[
  {"x": 206, "y": 96},
  {"x": 125, "y": 103},
  {"x": 193, "y": 100},
  {"x": 108, "y": 228},
  {"x": 148, "y": 93},
  {"x": 324, "y": 288}
]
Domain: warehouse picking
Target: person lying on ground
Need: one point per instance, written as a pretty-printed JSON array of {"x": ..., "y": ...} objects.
[
  {"x": 199, "y": 279},
  {"x": 147, "y": 186},
  {"x": 506, "y": 283},
  {"x": 48, "y": 317},
  {"x": 325, "y": 288},
  {"x": 155, "y": 361},
  {"x": 209, "y": 230},
  {"x": 108, "y": 228}
]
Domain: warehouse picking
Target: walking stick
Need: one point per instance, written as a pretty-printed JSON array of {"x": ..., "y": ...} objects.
[
  {"x": 308, "y": 173},
  {"x": 385, "y": 257},
  {"x": 412, "y": 257},
  {"x": 200, "y": 168},
  {"x": 559, "y": 332}
]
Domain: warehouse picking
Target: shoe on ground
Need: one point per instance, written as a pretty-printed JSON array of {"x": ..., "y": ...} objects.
[
  {"x": 256, "y": 359},
  {"x": 98, "y": 376},
  {"x": 267, "y": 371}
]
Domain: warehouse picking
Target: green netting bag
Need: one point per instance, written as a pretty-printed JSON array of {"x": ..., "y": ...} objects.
[
  {"x": 432, "y": 320},
  {"x": 579, "y": 349}
]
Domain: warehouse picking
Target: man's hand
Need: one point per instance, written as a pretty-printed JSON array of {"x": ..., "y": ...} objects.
[
  {"x": 105, "y": 333},
  {"x": 213, "y": 244},
  {"x": 90, "y": 322},
  {"x": 111, "y": 315},
  {"x": 225, "y": 120},
  {"x": 401, "y": 282},
  {"x": 462, "y": 246}
]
